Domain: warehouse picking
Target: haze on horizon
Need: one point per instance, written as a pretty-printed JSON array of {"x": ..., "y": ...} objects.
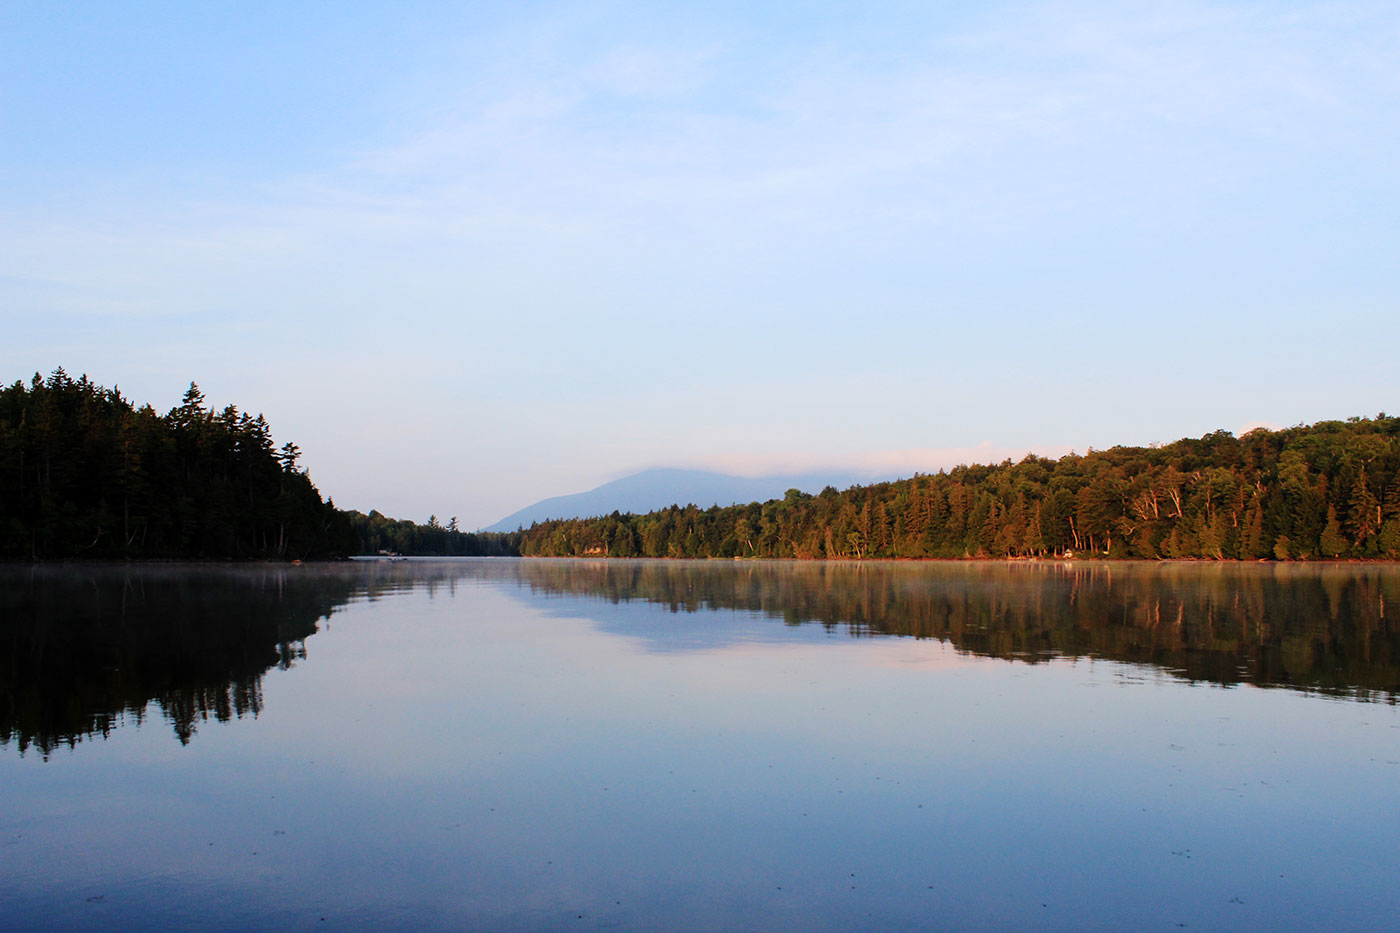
[{"x": 471, "y": 256}]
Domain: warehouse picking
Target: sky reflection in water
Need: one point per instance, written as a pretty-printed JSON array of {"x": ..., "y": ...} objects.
[{"x": 540, "y": 744}]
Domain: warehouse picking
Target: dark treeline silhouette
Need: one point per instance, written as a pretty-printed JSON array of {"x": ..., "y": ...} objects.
[
  {"x": 86, "y": 646},
  {"x": 1324, "y": 491},
  {"x": 1314, "y": 628},
  {"x": 379, "y": 534},
  {"x": 86, "y": 474}
]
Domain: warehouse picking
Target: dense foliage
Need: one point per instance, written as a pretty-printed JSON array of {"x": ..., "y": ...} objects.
[
  {"x": 1323, "y": 491},
  {"x": 379, "y": 534},
  {"x": 84, "y": 473}
]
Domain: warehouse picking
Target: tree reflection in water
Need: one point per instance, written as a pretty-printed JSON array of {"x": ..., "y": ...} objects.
[
  {"x": 85, "y": 647},
  {"x": 1313, "y": 628}
]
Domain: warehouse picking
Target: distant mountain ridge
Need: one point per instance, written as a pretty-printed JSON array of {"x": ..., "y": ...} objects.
[{"x": 660, "y": 487}]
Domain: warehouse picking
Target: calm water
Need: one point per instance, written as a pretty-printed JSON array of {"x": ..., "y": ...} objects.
[{"x": 495, "y": 744}]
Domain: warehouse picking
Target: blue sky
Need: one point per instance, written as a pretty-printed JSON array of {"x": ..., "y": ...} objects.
[{"x": 470, "y": 256}]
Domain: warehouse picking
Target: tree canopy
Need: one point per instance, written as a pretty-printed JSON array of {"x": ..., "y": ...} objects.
[
  {"x": 377, "y": 533},
  {"x": 86, "y": 474},
  {"x": 1322, "y": 491}
]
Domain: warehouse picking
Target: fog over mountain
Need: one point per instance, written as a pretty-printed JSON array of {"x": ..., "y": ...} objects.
[{"x": 659, "y": 487}]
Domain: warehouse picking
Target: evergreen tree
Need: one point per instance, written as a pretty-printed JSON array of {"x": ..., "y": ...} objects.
[{"x": 85, "y": 474}]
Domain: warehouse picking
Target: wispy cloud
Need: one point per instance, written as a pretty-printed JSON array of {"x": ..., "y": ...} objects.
[
  {"x": 575, "y": 238},
  {"x": 693, "y": 155}
]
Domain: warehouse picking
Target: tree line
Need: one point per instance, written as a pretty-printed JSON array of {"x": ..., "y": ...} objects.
[
  {"x": 84, "y": 473},
  {"x": 379, "y": 534},
  {"x": 1323, "y": 491}
]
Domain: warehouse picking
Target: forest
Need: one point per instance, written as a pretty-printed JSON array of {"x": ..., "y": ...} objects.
[
  {"x": 379, "y": 534},
  {"x": 84, "y": 473},
  {"x": 1328, "y": 490}
]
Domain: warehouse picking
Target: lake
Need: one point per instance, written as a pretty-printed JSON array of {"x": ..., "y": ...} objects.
[{"x": 541, "y": 744}]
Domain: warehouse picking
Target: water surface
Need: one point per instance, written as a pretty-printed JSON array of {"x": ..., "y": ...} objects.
[{"x": 504, "y": 744}]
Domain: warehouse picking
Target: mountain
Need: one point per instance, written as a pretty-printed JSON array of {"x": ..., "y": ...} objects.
[{"x": 662, "y": 486}]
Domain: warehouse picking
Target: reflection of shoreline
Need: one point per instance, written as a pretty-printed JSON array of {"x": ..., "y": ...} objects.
[
  {"x": 1316, "y": 628},
  {"x": 84, "y": 648},
  {"x": 1068, "y": 561}
]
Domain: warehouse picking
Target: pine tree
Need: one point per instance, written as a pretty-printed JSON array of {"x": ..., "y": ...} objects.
[
  {"x": 1332, "y": 541},
  {"x": 1364, "y": 516}
]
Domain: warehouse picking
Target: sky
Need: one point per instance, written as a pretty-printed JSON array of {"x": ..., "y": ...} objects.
[{"x": 468, "y": 256}]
